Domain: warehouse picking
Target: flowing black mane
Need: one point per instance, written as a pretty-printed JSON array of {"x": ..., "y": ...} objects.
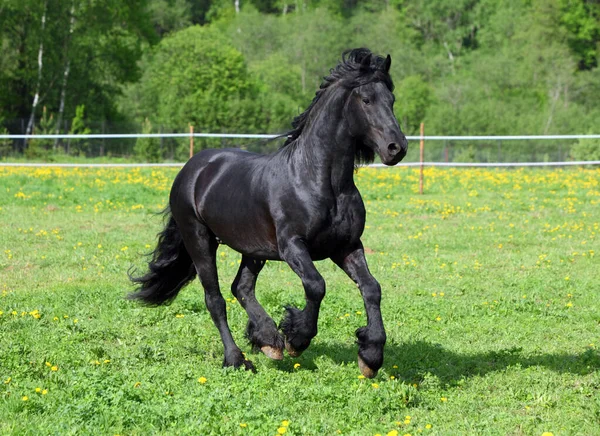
[{"x": 350, "y": 73}]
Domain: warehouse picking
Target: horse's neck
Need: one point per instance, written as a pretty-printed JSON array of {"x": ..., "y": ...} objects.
[{"x": 325, "y": 142}]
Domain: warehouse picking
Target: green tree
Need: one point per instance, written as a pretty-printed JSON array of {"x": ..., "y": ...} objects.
[
  {"x": 41, "y": 147},
  {"x": 78, "y": 127},
  {"x": 586, "y": 149},
  {"x": 148, "y": 149},
  {"x": 414, "y": 97},
  {"x": 196, "y": 77}
]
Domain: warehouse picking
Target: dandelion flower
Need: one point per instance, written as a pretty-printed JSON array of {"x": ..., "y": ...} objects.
[
  {"x": 375, "y": 385},
  {"x": 285, "y": 423},
  {"x": 428, "y": 426},
  {"x": 547, "y": 433},
  {"x": 44, "y": 391},
  {"x": 296, "y": 365},
  {"x": 243, "y": 425},
  {"x": 392, "y": 433},
  {"x": 54, "y": 368},
  {"x": 444, "y": 399},
  {"x": 38, "y": 390},
  {"x": 281, "y": 430},
  {"x": 25, "y": 398},
  {"x": 202, "y": 380}
]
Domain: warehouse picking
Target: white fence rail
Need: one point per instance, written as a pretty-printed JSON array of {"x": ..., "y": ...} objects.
[
  {"x": 377, "y": 165},
  {"x": 265, "y": 136}
]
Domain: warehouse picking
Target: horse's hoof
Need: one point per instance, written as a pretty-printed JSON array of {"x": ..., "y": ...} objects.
[
  {"x": 272, "y": 352},
  {"x": 291, "y": 351},
  {"x": 249, "y": 366},
  {"x": 365, "y": 370}
]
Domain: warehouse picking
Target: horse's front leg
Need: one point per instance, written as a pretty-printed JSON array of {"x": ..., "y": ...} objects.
[
  {"x": 300, "y": 326},
  {"x": 371, "y": 338}
]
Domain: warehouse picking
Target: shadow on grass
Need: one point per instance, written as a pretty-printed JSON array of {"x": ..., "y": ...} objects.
[{"x": 417, "y": 359}]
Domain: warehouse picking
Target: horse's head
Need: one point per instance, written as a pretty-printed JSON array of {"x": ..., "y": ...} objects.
[{"x": 369, "y": 112}]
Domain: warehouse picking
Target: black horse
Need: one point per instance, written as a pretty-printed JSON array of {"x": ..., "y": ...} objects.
[{"x": 297, "y": 205}]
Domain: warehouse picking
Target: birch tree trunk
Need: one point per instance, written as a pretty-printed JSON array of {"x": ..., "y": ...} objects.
[
  {"x": 236, "y": 3},
  {"x": 36, "y": 98},
  {"x": 63, "y": 91}
]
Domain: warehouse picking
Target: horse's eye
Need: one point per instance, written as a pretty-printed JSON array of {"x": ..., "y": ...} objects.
[{"x": 366, "y": 100}]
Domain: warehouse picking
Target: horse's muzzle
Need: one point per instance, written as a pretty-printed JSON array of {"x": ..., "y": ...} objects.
[{"x": 395, "y": 152}]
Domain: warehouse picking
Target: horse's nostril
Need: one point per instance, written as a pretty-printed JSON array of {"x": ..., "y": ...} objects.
[{"x": 393, "y": 148}]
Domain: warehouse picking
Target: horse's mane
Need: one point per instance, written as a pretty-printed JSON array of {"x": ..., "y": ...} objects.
[{"x": 350, "y": 73}]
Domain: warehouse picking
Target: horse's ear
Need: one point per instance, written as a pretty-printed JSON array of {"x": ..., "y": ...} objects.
[
  {"x": 365, "y": 64},
  {"x": 387, "y": 63}
]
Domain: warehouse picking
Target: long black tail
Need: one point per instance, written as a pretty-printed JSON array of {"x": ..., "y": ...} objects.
[{"x": 170, "y": 269}]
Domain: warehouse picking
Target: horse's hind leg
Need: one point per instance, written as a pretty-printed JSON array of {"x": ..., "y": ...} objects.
[
  {"x": 262, "y": 330},
  {"x": 202, "y": 245}
]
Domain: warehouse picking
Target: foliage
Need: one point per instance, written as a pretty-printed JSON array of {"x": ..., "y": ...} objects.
[
  {"x": 461, "y": 67},
  {"x": 42, "y": 148},
  {"x": 5, "y": 144},
  {"x": 78, "y": 127},
  {"x": 148, "y": 149},
  {"x": 195, "y": 77},
  {"x": 586, "y": 149},
  {"x": 490, "y": 297},
  {"x": 466, "y": 154},
  {"x": 414, "y": 97}
]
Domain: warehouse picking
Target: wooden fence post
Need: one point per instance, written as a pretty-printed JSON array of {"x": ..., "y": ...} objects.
[
  {"x": 421, "y": 153},
  {"x": 191, "y": 141}
]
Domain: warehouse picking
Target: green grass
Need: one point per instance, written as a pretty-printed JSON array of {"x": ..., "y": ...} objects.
[{"x": 491, "y": 299}]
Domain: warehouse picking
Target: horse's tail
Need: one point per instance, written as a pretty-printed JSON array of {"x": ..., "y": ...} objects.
[{"x": 170, "y": 269}]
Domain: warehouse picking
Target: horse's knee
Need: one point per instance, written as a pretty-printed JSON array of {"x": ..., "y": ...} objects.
[
  {"x": 215, "y": 303},
  {"x": 371, "y": 292}
]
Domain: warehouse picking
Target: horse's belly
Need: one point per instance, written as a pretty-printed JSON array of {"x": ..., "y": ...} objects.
[{"x": 248, "y": 230}]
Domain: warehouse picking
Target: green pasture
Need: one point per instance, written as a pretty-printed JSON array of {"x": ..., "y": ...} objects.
[{"x": 491, "y": 299}]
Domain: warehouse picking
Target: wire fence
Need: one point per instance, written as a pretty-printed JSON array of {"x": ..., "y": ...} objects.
[{"x": 515, "y": 150}]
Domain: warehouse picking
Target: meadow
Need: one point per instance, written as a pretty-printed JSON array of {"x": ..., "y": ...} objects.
[{"x": 491, "y": 300}]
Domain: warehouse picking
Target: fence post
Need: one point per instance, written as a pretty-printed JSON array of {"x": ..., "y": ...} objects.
[
  {"x": 191, "y": 141},
  {"x": 421, "y": 153}
]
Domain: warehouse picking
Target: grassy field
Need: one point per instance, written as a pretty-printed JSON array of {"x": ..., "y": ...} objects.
[{"x": 491, "y": 299}]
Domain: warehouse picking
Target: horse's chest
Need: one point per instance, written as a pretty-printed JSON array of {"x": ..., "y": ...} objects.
[{"x": 343, "y": 226}]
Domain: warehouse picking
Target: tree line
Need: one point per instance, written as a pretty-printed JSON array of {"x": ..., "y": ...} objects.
[{"x": 485, "y": 67}]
